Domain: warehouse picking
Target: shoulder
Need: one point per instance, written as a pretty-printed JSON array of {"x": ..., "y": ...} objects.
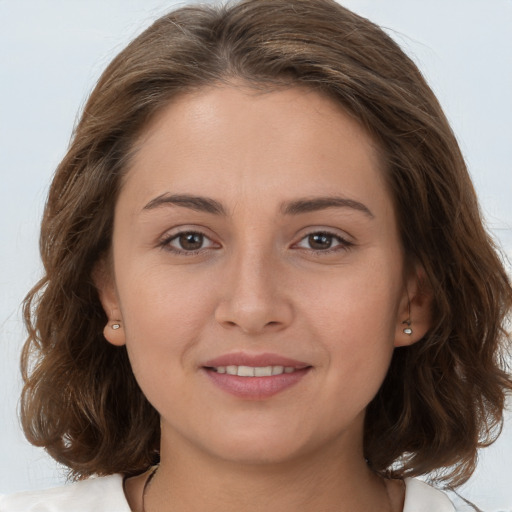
[
  {"x": 101, "y": 494},
  {"x": 420, "y": 497}
]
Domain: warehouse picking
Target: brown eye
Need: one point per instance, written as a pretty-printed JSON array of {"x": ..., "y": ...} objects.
[
  {"x": 323, "y": 242},
  {"x": 319, "y": 241},
  {"x": 190, "y": 241}
]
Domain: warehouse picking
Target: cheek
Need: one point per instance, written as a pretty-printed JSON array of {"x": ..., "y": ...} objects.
[
  {"x": 356, "y": 303},
  {"x": 159, "y": 296},
  {"x": 164, "y": 316},
  {"x": 353, "y": 314}
]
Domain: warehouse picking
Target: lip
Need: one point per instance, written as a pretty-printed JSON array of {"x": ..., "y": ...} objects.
[
  {"x": 244, "y": 359},
  {"x": 255, "y": 388}
]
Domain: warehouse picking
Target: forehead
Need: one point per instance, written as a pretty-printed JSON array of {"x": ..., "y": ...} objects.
[{"x": 293, "y": 141}]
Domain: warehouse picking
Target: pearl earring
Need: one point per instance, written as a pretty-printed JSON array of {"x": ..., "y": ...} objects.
[
  {"x": 116, "y": 326},
  {"x": 407, "y": 330}
]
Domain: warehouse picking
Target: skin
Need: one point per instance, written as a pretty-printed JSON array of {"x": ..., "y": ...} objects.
[{"x": 259, "y": 283}]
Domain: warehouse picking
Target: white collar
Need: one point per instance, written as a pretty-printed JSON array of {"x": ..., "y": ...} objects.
[{"x": 420, "y": 497}]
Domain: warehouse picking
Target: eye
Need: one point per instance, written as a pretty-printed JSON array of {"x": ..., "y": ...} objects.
[
  {"x": 188, "y": 242},
  {"x": 323, "y": 241}
]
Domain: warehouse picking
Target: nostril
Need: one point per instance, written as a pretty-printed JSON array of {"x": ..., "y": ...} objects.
[{"x": 254, "y": 315}]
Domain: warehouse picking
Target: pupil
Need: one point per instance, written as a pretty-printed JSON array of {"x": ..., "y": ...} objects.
[
  {"x": 191, "y": 241},
  {"x": 320, "y": 241}
]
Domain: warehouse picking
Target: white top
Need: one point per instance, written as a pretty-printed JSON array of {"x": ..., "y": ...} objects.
[{"x": 105, "y": 494}]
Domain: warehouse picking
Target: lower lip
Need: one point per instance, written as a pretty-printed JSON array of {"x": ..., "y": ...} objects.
[{"x": 256, "y": 388}]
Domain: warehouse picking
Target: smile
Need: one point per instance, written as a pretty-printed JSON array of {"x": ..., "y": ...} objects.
[
  {"x": 254, "y": 376},
  {"x": 254, "y": 371}
]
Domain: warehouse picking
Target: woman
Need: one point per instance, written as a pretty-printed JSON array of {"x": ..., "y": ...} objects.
[{"x": 267, "y": 281}]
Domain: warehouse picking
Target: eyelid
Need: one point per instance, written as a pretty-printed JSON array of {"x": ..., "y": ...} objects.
[
  {"x": 164, "y": 242},
  {"x": 344, "y": 240}
]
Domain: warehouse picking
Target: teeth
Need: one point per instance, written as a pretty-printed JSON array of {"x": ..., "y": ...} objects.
[
  {"x": 231, "y": 370},
  {"x": 254, "y": 371},
  {"x": 277, "y": 370},
  {"x": 263, "y": 371},
  {"x": 245, "y": 371}
]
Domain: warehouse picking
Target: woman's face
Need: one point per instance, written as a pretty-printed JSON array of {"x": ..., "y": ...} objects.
[{"x": 254, "y": 235}]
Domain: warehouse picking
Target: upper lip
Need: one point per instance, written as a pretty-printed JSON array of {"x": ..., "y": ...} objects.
[{"x": 255, "y": 360}]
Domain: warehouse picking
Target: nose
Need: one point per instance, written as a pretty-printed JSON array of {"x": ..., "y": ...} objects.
[{"x": 254, "y": 295}]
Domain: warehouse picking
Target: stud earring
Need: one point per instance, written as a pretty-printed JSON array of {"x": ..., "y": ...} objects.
[
  {"x": 116, "y": 326},
  {"x": 407, "y": 330}
]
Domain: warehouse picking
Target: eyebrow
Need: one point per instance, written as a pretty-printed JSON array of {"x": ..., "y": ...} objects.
[
  {"x": 314, "y": 204},
  {"x": 197, "y": 203},
  {"x": 296, "y": 207}
]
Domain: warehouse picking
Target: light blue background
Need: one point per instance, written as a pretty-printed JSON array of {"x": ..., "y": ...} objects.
[{"x": 51, "y": 54}]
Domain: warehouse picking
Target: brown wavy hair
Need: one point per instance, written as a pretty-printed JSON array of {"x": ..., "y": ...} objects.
[{"x": 443, "y": 397}]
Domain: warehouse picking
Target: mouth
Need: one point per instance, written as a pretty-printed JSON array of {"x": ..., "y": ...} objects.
[
  {"x": 255, "y": 377},
  {"x": 253, "y": 371}
]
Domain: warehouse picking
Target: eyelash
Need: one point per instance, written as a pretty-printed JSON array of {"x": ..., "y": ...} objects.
[
  {"x": 342, "y": 245},
  {"x": 166, "y": 243}
]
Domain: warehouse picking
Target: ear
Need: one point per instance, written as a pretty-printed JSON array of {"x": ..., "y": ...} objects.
[
  {"x": 415, "y": 309},
  {"x": 103, "y": 277}
]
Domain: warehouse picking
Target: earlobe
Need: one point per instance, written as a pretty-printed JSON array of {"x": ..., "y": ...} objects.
[
  {"x": 104, "y": 281},
  {"x": 415, "y": 310},
  {"x": 114, "y": 332}
]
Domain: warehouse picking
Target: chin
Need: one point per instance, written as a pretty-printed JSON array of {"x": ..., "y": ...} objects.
[{"x": 262, "y": 447}]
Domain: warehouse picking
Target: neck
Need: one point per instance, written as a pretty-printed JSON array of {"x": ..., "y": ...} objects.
[{"x": 327, "y": 480}]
